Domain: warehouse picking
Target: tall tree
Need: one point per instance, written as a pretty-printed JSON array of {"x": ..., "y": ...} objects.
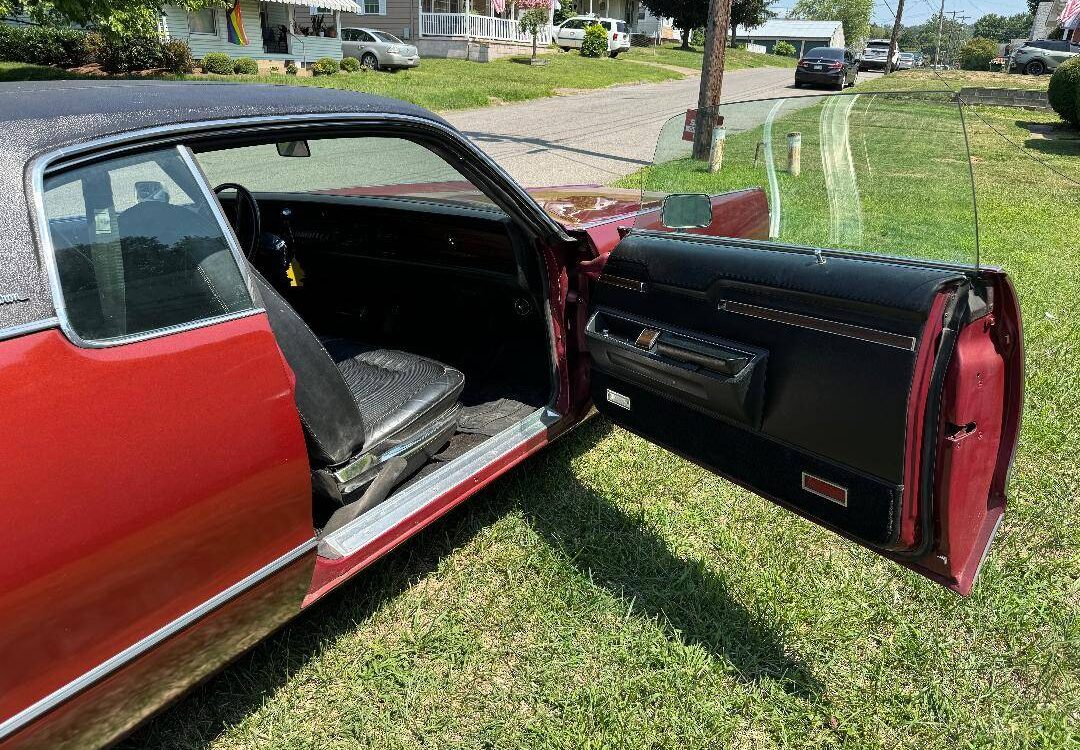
[
  {"x": 122, "y": 17},
  {"x": 1003, "y": 28},
  {"x": 854, "y": 14},
  {"x": 686, "y": 14},
  {"x": 748, "y": 13}
]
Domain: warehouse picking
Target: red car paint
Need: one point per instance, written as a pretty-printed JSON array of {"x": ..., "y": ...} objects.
[
  {"x": 155, "y": 560},
  {"x": 152, "y": 476}
]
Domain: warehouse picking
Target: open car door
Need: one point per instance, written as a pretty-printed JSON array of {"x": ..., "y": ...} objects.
[{"x": 876, "y": 395}]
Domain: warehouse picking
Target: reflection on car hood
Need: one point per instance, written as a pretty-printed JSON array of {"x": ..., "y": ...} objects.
[{"x": 575, "y": 206}]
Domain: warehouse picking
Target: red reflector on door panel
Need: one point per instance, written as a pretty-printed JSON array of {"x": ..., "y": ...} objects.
[{"x": 821, "y": 488}]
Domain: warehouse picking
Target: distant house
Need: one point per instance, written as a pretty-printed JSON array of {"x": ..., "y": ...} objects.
[
  {"x": 277, "y": 30},
  {"x": 802, "y": 35}
]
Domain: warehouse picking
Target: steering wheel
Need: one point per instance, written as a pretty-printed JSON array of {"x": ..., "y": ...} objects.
[{"x": 251, "y": 229}]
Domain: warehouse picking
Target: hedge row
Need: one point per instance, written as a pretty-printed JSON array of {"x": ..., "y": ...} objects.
[{"x": 115, "y": 53}]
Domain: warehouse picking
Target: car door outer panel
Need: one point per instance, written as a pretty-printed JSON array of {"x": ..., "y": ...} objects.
[
  {"x": 842, "y": 350},
  {"x": 154, "y": 476}
]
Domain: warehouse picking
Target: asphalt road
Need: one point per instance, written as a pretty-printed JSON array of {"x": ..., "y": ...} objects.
[{"x": 599, "y": 136}]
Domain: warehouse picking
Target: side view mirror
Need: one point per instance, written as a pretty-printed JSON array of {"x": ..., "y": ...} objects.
[
  {"x": 293, "y": 148},
  {"x": 686, "y": 211}
]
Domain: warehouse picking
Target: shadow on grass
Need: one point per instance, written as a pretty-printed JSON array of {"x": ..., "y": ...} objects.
[
  {"x": 600, "y": 540},
  {"x": 616, "y": 550}
]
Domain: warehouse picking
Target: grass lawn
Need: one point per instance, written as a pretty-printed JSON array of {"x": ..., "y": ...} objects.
[
  {"x": 446, "y": 84},
  {"x": 670, "y": 54},
  {"x": 609, "y": 594},
  {"x": 928, "y": 79}
]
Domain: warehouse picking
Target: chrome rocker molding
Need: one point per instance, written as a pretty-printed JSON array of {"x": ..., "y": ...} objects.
[
  {"x": 132, "y": 652},
  {"x": 352, "y": 537}
]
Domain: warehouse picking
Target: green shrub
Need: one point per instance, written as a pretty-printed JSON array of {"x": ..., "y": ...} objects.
[
  {"x": 785, "y": 49},
  {"x": 44, "y": 45},
  {"x": 124, "y": 53},
  {"x": 245, "y": 66},
  {"x": 290, "y": 68},
  {"x": 350, "y": 65},
  {"x": 697, "y": 37},
  {"x": 595, "y": 42},
  {"x": 325, "y": 66},
  {"x": 218, "y": 63},
  {"x": 176, "y": 56},
  {"x": 1064, "y": 91},
  {"x": 977, "y": 53}
]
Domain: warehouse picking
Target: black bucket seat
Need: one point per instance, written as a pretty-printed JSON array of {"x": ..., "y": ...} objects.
[{"x": 361, "y": 406}]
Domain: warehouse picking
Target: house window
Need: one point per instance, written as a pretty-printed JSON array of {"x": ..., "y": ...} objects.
[
  {"x": 373, "y": 7},
  {"x": 203, "y": 21}
]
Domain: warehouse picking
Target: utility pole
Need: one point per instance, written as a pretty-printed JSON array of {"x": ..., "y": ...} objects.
[
  {"x": 940, "y": 21},
  {"x": 712, "y": 75},
  {"x": 894, "y": 41}
]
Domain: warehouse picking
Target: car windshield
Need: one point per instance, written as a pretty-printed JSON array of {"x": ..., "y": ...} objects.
[
  {"x": 884, "y": 173},
  {"x": 829, "y": 53},
  {"x": 906, "y": 56},
  {"x": 361, "y": 166},
  {"x": 382, "y": 36},
  {"x": 878, "y": 45}
]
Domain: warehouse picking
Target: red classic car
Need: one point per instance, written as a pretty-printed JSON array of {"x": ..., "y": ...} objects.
[{"x": 253, "y": 337}]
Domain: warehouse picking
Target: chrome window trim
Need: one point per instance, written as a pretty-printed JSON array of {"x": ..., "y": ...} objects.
[
  {"x": 52, "y": 700},
  {"x": 352, "y": 537},
  {"x": 119, "y": 143},
  {"x": 48, "y": 253},
  {"x": 822, "y": 325},
  {"x": 34, "y": 326},
  {"x": 223, "y": 222},
  {"x": 138, "y": 139}
]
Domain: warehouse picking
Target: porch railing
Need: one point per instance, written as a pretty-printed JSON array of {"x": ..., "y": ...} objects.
[{"x": 480, "y": 27}]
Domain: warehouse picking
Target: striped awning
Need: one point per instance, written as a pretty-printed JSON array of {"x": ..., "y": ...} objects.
[{"x": 347, "y": 6}]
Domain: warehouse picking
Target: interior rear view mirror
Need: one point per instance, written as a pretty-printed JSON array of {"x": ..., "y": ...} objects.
[
  {"x": 293, "y": 148},
  {"x": 686, "y": 211}
]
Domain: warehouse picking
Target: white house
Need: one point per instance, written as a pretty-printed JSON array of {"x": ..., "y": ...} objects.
[
  {"x": 802, "y": 35},
  {"x": 275, "y": 29}
]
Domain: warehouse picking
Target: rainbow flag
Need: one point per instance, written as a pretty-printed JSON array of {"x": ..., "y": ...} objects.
[{"x": 235, "y": 23}]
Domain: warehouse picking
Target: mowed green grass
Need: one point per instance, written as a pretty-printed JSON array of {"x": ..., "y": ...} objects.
[
  {"x": 444, "y": 84},
  {"x": 734, "y": 59},
  {"x": 608, "y": 594}
]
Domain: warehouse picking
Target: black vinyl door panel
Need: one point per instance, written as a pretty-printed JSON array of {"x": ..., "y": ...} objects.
[{"x": 787, "y": 375}]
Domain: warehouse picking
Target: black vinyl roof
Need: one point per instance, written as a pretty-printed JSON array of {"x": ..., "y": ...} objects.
[
  {"x": 67, "y": 111},
  {"x": 41, "y": 116}
]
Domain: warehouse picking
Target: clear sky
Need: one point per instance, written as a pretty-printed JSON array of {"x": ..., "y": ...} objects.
[{"x": 917, "y": 11}]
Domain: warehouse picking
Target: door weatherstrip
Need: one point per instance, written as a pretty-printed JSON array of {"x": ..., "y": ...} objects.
[
  {"x": 870, "y": 335},
  {"x": 88, "y": 679}
]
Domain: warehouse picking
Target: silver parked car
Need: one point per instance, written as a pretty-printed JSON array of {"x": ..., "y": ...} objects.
[
  {"x": 378, "y": 49},
  {"x": 1042, "y": 55}
]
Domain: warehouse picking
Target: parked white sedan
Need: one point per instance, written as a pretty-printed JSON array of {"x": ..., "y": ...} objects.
[
  {"x": 572, "y": 31},
  {"x": 378, "y": 49}
]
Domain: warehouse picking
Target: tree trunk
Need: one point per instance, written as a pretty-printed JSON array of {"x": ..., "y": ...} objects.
[
  {"x": 686, "y": 38},
  {"x": 534, "y": 43}
]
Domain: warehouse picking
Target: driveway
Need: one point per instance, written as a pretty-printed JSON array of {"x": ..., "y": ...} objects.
[{"x": 599, "y": 136}]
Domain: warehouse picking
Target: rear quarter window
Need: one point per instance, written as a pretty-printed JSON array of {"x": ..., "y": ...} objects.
[{"x": 138, "y": 249}]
